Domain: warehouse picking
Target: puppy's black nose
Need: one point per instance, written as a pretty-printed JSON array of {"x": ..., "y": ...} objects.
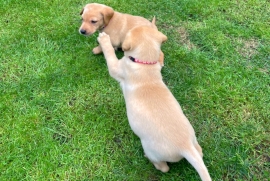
[{"x": 83, "y": 32}]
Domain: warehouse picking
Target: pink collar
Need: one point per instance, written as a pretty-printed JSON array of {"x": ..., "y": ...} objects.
[{"x": 142, "y": 62}]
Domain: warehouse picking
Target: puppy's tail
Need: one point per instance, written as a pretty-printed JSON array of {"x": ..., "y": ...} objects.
[
  {"x": 195, "y": 159},
  {"x": 154, "y": 22}
]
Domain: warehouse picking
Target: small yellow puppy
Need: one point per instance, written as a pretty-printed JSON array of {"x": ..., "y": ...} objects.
[
  {"x": 102, "y": 18},
  {"x": 153, "y": 112}
]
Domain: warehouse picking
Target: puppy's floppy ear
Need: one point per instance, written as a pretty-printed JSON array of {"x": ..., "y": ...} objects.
[
  {"x": 126, "y": 45},
  {"x": 82, "y": 11},
  {"x": 107, "y": 13},
  {"x": 162, "y": 37}
]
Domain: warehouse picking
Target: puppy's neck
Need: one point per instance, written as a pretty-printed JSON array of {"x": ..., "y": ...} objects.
[
  {"x": 105, "y": 25},
  {"x": 145, "y": 57},
  {"x": 141, "y": 73}
]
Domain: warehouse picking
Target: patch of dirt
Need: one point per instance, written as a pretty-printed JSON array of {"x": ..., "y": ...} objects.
[
  {"x": 184, "y": 38},
  {"x": 264, "y": 70},
  {"x": 262, "y": 152},
  {"x": 246, "y": 113},
  {"x": 249, "y": 48}
]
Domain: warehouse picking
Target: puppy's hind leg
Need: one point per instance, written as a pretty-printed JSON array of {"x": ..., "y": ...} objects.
[
  {"x": 97, "y": 50},
  {"x": 162, "y": 166}
]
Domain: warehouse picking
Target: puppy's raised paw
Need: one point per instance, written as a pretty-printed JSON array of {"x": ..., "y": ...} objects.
[{"x": 103, "y": 38}]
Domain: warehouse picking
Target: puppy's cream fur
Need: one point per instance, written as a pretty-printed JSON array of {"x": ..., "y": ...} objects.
[
  {"x": 153, "y": 113},
  {"x": 102, "y": 18}
]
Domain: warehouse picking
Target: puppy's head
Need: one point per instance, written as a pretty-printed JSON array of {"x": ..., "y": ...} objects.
[
  {"x": 145, "y": 42},
  {"x": 95, "y": 17}
]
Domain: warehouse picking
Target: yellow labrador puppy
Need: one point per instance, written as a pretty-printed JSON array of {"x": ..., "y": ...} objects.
[
  {"x": 102, "y": 18},
  {"x": 153, "y": 112}
]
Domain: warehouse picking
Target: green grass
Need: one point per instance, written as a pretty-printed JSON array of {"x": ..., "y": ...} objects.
[{"x": 62, "y": 117}]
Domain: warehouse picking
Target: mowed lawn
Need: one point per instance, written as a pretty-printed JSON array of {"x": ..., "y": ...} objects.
[{"x": 62, "y": 117}]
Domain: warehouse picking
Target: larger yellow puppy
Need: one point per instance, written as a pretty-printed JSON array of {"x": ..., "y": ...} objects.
[{"x": 153, "y": 113}]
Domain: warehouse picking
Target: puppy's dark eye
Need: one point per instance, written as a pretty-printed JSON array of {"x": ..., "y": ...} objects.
[{"x": 92, "y": 21}]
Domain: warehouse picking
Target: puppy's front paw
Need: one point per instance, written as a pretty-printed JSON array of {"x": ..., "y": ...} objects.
[{"x": 103, "y": 38}]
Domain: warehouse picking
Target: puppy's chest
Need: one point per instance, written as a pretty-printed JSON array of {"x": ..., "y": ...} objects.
[{"x": 127, "y": 88}]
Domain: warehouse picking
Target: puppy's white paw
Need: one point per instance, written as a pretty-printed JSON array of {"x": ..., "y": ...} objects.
[{"x": 103, "y": 38}]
